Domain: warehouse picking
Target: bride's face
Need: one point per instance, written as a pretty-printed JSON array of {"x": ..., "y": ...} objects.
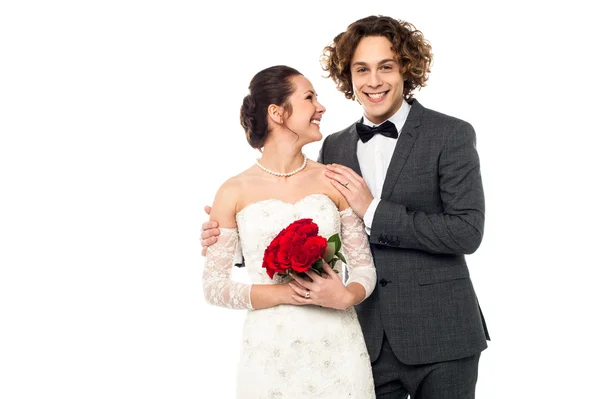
[{"x": 306, "y": 111}]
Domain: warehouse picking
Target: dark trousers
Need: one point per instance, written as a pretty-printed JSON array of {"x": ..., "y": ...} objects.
[{"x": 454, "y": 379}]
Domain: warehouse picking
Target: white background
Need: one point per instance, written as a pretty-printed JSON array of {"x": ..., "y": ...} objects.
[{"x": 119, "y": 120}]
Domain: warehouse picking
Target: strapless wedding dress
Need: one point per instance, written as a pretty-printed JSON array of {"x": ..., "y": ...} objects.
[{"x": 292, "y": 351}]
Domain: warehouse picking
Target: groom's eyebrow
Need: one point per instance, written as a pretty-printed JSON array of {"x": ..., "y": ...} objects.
[{"x": 379, "y": 63}]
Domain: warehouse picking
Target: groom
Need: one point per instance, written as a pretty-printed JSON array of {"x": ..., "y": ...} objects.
[{"x": 415, "y": 181}]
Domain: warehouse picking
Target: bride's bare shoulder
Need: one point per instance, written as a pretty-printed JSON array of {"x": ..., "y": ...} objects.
[
  {"x": 235, "y": 186},
  {"x": 315, "y": 165},
  {"x": 316, "y": 170},
  {"x": 248, "y": 179},
  {"x": 229, "y": 198},
  {"x": 324, "y": 184}
]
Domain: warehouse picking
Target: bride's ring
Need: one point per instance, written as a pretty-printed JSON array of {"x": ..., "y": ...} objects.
[
  {"x": 307, "y": 294},
  {"x": 346, "y": 184}
]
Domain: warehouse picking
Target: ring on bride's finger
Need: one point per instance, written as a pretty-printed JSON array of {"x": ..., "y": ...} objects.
[
  {"x": 346, "y": 184},
  {"x": 307, "y": 294}
]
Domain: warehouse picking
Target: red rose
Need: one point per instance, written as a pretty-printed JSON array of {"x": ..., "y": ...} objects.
[
  {"x": 296, "y": 238},
  {"x": 300, "y": 260},
  {"x": 309, "y": 230},
  {"x": 284, "y": 252},
  {"x": 295, "y": 226},
  {"x": 270, "y": 262},
  {"x": 315, "y": 248}
]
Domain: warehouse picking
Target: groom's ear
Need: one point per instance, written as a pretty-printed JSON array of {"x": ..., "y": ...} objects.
[{"x": 275, "y": 113}]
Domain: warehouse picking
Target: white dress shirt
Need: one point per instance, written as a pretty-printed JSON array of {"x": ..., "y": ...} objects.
[{"x": 374, "y": 158}]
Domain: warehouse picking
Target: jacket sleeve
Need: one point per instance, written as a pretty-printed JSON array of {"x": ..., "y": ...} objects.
[{"x": 456, "y": 230}]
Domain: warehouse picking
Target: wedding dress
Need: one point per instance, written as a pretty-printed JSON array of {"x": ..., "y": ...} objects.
[{"x": 291, "y": 351}]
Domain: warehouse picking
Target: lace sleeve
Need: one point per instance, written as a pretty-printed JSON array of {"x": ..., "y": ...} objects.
[
  {"x": 356, "y": 250},
  {"x": 219, "y": 288}
]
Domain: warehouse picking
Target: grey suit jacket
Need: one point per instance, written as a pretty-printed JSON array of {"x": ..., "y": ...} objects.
[{"x": 431, "y": 214}]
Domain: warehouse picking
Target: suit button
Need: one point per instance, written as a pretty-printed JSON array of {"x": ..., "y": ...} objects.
[{"x": 383, "y": 282}]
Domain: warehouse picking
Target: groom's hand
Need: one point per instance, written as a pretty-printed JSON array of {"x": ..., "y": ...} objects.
[
  {"x": 351, "y": 186},
  {"x": 210, "y": 231}
]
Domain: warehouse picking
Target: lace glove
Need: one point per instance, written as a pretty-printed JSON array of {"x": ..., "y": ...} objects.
[
  {"x": 219, "y": 288},
  {"x": 356, "y": 250}
]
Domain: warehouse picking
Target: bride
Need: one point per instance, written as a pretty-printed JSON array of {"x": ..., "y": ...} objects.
[{"x": 301, "y": 337}]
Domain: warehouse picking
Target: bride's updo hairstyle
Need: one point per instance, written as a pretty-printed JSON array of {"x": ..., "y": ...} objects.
[{"x": 270, "y": 86}]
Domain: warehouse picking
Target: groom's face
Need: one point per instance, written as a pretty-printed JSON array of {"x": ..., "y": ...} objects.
[{"x": 376, "y": 78}]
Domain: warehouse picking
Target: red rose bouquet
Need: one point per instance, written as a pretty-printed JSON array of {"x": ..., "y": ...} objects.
[{"x": 298, "y": 248}]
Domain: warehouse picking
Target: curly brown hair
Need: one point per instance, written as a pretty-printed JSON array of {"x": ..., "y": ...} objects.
[{"x": 414, "y": 52}]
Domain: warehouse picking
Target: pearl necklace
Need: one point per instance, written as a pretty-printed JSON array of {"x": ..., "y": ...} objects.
[{"x": 293, "y": 172}]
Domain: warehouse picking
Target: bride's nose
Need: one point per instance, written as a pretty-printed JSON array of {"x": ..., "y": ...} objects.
[{"x": 320, "y": 108}]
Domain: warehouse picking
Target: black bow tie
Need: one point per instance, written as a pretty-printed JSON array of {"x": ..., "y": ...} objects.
[{"x": 366, "y": 133}]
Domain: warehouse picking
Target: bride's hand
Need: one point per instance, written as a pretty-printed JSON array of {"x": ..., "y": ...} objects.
[{"x": 327, "y": 290}]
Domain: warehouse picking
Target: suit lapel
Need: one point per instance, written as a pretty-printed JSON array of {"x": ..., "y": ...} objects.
[
  {"x": 405, "y": 143},
  {"x": 350, "y": 150}
]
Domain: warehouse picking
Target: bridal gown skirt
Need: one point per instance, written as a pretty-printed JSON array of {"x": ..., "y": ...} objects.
[{"x": 303, "y": 352}]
